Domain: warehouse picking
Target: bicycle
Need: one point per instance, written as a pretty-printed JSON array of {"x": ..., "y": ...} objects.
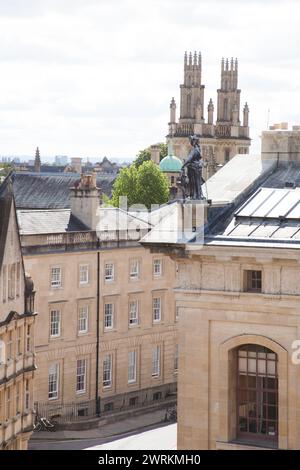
[{"x": 43, "y": 424}]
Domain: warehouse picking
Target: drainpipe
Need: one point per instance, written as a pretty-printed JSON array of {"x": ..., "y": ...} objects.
[{"x": 98, "y": 332}]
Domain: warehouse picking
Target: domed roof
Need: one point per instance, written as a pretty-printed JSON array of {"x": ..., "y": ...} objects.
[{"x": 170, "y": 164}]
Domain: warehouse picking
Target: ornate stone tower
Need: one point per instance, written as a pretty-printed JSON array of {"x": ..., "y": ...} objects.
[
  {"x": 228, "y": 94},
  {"x": 37, "y": 161},
  {"x": 219, "y": 141},
  {"x": 191, "y": 91}
]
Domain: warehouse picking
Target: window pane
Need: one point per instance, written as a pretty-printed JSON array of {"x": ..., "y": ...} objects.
[
  {"x": 107, "y": 371},
  {"x": 81, "y": 375},
  {"x": 257, "y": 393},
  {"x": 109, "y": 271}
]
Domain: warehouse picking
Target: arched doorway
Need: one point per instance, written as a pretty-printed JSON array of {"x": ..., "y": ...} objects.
[{"x": 257, "y": 395}]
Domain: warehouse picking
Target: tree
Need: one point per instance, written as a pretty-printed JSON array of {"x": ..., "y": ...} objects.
[
  {"x": 143, "y": 185},
  {"x": 152, "y": 185},
  {"x": 125, "y": 185},
  {"x": 6, "y": 168},
  {"x": 145, "y": 155}
]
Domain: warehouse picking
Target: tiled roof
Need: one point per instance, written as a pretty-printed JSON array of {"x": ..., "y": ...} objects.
[
  {"x": 48, "y": 221},
  {"x": 50, "y": 191}
]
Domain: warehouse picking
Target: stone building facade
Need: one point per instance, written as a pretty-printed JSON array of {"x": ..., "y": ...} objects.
[
  {"x": 220, "y": 140},
  {"x": 238, "y": 300},
  {"x": 107, "y": 330},
  {"x": 17, "y": 318}
]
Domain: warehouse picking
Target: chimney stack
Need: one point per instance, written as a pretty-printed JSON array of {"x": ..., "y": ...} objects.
[{"x": 85, "y": 199}]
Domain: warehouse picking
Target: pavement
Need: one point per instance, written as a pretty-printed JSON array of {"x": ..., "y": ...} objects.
[
  {"x": 129, "y": 425},
  {"x": 162, "y": 438}
]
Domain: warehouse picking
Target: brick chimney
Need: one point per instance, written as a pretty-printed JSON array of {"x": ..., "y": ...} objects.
[{"x": 85, "y": 199}]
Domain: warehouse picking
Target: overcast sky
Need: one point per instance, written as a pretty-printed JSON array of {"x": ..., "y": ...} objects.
[{"x": 95, "y": 77}]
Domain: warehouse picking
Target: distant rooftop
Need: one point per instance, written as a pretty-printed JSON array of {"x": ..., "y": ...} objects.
[
  {"x": 50, "y": 191},
  {"x": 48, "y": 221}
]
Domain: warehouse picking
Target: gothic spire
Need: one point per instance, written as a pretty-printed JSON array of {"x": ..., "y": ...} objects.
[{"x": 37, "y": 161}]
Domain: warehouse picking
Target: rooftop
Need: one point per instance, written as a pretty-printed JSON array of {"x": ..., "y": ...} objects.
[
  {"x": 48, "y": 221},
  {"x": 255, "y": 200},
  {"x": 50, "y": 191}
]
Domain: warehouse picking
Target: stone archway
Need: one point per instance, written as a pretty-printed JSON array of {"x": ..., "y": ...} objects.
[{"x": 227, "y": 398}]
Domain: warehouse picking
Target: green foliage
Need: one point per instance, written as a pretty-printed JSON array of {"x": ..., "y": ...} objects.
[
  {"x": 152, "y": 185},
  {"x": 145, "y": 155},
  {"x": 125, "y": 185},
  {"x": 6, "y": 168},
  {"x": 106, "y": 202},
  {"x": 143, "y": 185}
]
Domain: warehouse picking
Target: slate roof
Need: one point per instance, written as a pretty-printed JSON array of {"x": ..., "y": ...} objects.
[
  {"x": 45, "y": 221},
  {"x": 48, "y": 221},
  {"x": 6, "y": 200},
  {"x": 50, "y": 191}
]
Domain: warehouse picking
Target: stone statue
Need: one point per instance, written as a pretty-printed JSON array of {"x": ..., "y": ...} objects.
[{"x": 194, "y": 166}]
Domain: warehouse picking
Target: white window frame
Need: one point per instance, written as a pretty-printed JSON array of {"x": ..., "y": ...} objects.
[
  {"x": 134, "y": 274},
  {"x": 157, "y": 262},
  {"x": 109, "y": 315},
  {"x": 133, "y": 313},
  {"x": 56, "y": 277},
  {"x": 109, "y": 267},
  {"x": 84, "y": 274},
  {"x": 107, "y": 369},
  {"x": 53, "y": 380},
  {"x": 132, "y": 366},
  {"x": 156, "y": 361},
  {"x": 81, "y": 369},
  {"x": 57, "y": 311},
  {"x": 83, "y": 319},
  {"x": 156, "y": 311}
]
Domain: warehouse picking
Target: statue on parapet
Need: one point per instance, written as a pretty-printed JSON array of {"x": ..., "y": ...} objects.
[{"x": 194, "y": 165}]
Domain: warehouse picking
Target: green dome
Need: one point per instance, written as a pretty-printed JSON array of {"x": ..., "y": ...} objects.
[{"x": 170, "y": 164}]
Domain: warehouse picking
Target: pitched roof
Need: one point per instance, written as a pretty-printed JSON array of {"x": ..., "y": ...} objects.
[
  {"x": 48, "y": 221},
  {"x": 6, "y": 201},
  {"x": 50, "y": 191}
]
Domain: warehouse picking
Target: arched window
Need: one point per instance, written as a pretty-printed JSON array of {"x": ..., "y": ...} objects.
[
  {"x": 226, "y": 154},
  {"x": 257, "y": 395}
]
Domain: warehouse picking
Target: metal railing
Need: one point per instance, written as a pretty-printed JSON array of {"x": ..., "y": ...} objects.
[
  {"x": 66, "y": 412},
  {"x": 80, "y": 411}
]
